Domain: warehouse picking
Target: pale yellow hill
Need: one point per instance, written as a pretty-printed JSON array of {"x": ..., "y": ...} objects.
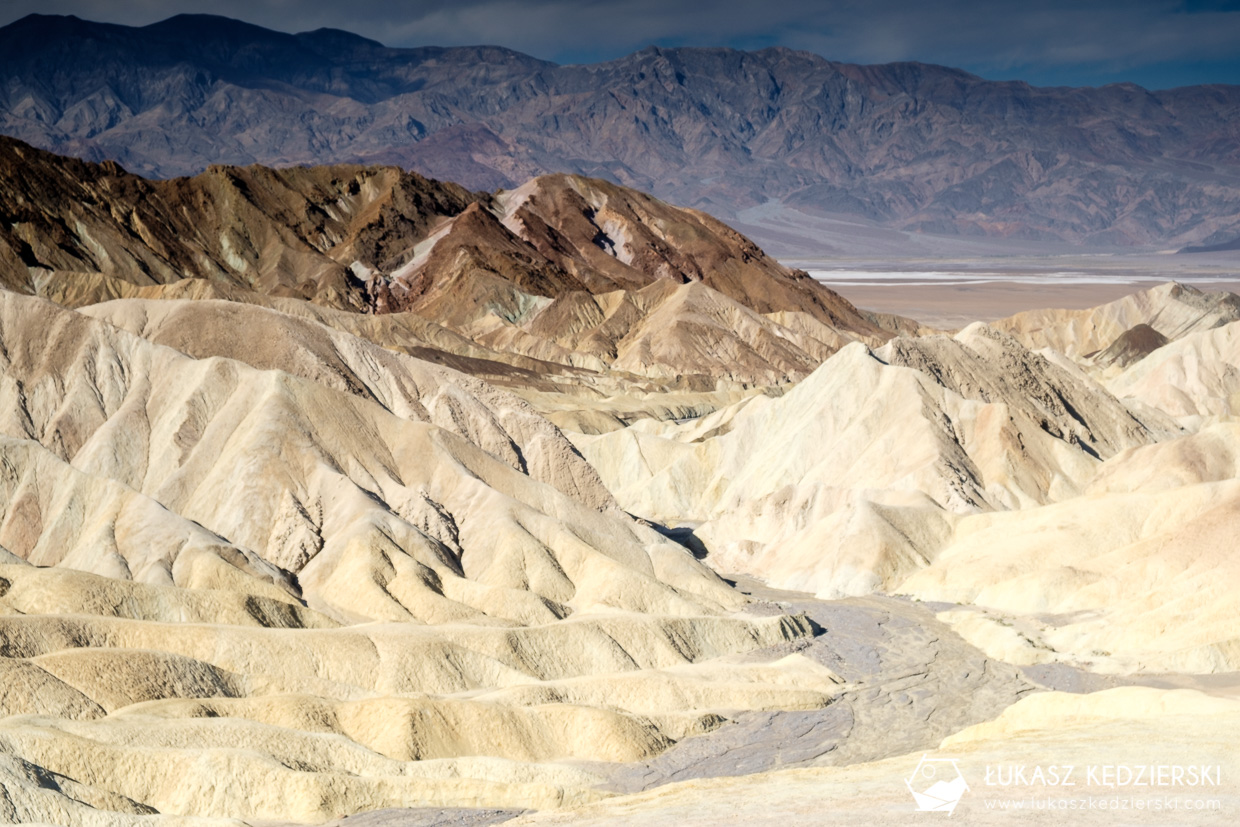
[
  {"x": 1137, "y": 575},
  {"x": 1195, "y": 377},
  {"x": 412, "y": 389},
  {"x": 1173, "y": 310},
  {"x": 307, "y": 725},
  {"x": 593, "y": 362},
  {"x": 283, "y": 475},
  {"x": 1072, "y": 526},
  {"x": 856, "y": 477},
  {"x": 241, "y": 544}
]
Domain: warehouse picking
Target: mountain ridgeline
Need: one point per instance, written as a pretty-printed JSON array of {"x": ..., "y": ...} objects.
[
  {"x": 564, "y": 276},
  {"x": 908, "y": 146}
]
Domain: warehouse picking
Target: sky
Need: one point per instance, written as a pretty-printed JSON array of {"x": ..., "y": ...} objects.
[{"x": 1155, "y": 43}]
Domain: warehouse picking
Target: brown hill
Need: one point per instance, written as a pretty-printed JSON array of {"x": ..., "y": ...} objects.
[
  {"x": 290, "y": 232},
  {"x": 564, "y": 272},
  {"x": 1133, "y": 345}
]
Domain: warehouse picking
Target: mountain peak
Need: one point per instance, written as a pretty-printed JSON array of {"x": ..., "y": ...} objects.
[
  {"x": 338, "y": 40},
  {"x": 211, "y": 25}
]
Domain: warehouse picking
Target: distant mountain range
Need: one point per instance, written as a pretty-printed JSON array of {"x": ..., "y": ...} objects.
[{"x": 916, "y": 148}]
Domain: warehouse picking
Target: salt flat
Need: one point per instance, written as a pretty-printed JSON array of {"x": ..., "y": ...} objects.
[{"x": 950, "y": 294}]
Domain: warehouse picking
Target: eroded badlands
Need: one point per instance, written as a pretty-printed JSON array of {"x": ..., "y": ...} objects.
[{"x": 595, "y": 514}]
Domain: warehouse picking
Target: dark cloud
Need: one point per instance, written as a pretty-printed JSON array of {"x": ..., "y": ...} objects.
[{"x": 1156, "y": 44}]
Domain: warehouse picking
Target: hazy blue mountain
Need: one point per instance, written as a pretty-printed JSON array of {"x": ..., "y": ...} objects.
[{"x": 909, "y": 146}]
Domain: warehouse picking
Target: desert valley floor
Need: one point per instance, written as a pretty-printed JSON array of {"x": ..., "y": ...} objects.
[{"x": 341, "y": 495}]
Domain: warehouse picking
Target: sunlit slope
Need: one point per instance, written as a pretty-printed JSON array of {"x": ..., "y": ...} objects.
[
  {"x": 1080, "y": 513},
  {"x": 287, "y": 476},
  {"x": 856, "y": 477},
  {"x": 358, "y": 581}
]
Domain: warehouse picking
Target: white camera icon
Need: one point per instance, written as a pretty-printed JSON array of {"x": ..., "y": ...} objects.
[{"x": 936, "y": 785}]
